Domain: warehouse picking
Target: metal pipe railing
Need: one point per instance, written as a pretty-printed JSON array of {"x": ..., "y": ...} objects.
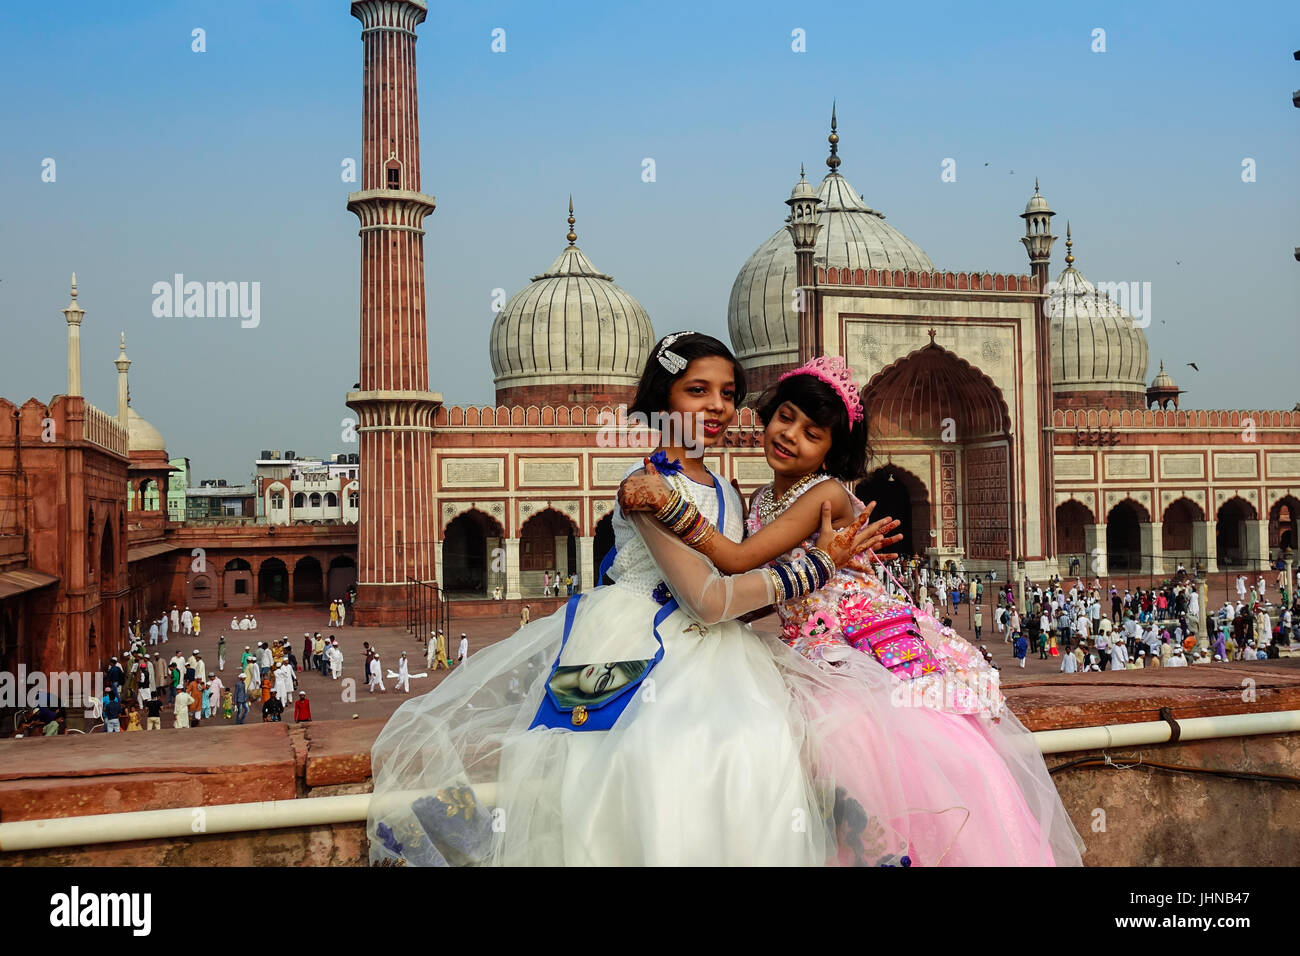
[{"x": 353, "y": 808}]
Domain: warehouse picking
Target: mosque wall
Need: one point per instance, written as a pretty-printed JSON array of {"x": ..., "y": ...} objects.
[
  {"x": 1219, "y": 488},
  {"x": 876, "y": 325}
]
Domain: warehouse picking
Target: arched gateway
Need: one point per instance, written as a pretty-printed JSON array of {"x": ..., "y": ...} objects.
[{"x": 940, "y": 427}]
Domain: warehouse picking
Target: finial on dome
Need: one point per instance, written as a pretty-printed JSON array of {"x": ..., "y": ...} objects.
[
  {"x": 833, "y": 160},
  {"x": 801, "y": 173},
  {"x": 123, "y": 348},
  {"x": 74, "y": 287},
  {"x": 1069, "y": 256},
  {"x": 1035, "y": 185},
  {"x": 572, "y": 236}
]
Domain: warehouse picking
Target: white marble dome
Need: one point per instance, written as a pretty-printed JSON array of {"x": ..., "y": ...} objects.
[
  {"x": 573, "y": 323},
  {"x": 1096, "y": 345},
  {"x": 141, "y": 436},
  {"x": 761, "y": 319}
]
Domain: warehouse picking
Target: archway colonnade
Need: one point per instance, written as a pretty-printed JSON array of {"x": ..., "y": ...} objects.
[
  {"x": 475, "y": 556},
  {"x": 1231, "y": 537},
  {"x": 274, "y": 580}
]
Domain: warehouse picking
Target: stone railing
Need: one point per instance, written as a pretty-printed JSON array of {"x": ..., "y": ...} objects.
[
  {"x": 103, "y": 429},
  {"x": 562, "y": 416},
  {"x": 942, "y": 281},
  {"x": 1189, "y": 418}
]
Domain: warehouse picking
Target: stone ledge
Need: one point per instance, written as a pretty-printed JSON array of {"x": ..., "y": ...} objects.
[
  {"x": 78, "y": 775},
  {"x": 1094, "y": 699},
  {"x": 338, "y": 752},
  {"x": 81, "y": 775}
]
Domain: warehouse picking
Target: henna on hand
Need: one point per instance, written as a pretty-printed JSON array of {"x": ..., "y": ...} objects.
[{"x": 642, "y": 493}]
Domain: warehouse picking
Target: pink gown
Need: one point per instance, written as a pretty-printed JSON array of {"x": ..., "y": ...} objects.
[{"x": 939, "y": 755}]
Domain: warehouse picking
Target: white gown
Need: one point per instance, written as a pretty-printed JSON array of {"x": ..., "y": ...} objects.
[{"x": 706, "y": 766}]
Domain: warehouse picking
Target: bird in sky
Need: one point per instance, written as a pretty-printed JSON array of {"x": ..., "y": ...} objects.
[{"x": 1193, "y": 365}]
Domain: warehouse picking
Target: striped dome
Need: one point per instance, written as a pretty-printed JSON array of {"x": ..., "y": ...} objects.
[
  {"x": 1096, "y": 346},
  {"x": 573, "y": 323},
  {"x": 761, "y": 319}
]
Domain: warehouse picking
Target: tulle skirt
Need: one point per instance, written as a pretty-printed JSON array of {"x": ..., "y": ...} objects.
[{"x": 734, "y": 751}]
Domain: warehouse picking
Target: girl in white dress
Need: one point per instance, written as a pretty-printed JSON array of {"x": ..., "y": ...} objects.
[{"x": 712, "y": 758}]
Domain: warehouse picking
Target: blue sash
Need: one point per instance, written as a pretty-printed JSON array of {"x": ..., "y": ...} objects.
[{"x": 561, "y": 709}]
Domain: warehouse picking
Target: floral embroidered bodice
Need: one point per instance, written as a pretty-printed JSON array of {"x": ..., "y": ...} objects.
[
  {"x": 814, "y": 627},
  {"x": 634, "y": 568}
]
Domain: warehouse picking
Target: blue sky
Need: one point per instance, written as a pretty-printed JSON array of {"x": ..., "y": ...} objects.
[{"x": 225, "y": 165}]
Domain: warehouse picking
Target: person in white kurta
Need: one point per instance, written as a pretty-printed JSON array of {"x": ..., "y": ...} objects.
[
  {"x": 162, "y": 626},
  {"x": 284, "y": 683},
  {"x": 462, "y": 652},
  {"x": 431, "y": 650},
  {"x": 217, "y": 689},
  {"x": 376, "y": 676},
  {"x": 403, "y": 675},
  {"x": 187, "y": 621},
  {"x": 200, "y": 668},
  {"x": 176, "y": 620},
  {"x": 1118, "y": 656},
  {"x": 336, "y": 661}
]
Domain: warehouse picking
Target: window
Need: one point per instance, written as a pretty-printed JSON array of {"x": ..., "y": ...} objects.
[
  {"x": 277, "y": 501},
  {"x": 394, "y": 177},
  {"x": 300, "y": 500},
  {"x": 241, "y": 585},
  {"x": 315, "y": 499},
  {"x": 354, "y": 500},
  {"x": 331, "y": 500}
]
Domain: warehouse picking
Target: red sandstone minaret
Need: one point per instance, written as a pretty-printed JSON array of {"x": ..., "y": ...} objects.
[
  {"x": 393, "y": 404},
  {"x": 1038, "y": 241}
]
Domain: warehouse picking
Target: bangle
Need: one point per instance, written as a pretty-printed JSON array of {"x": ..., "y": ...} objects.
[
  {"x": 674, "y": 499},
  {"x": 823, "y": 560},
  {"x": 688, "y": 515},
  {"x": 800, "y": 569},
  {"x": 709, "y": 532},
  {"x": 777, "y": 589},
  {"x": 781, "y": 569}
]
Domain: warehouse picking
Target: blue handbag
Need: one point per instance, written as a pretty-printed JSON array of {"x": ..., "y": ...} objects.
[{"x": 594, "y": 696}]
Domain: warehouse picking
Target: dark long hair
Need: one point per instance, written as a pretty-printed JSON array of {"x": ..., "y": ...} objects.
[
  {"x": 849, "y": 454},
  {"x": 657, "y": 381}
]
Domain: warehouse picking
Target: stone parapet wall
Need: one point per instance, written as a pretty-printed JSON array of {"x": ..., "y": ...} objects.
[{"x": 1134, "y": 817}]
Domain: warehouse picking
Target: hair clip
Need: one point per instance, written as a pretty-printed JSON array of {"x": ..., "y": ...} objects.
[{"x": 673, "y": 362}]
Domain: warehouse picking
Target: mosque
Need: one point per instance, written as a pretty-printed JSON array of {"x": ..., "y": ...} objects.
[{"x": 1013, "y": 425}]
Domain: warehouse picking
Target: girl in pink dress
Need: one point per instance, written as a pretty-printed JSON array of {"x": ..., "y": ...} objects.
[{"x": 975, "y": 786}]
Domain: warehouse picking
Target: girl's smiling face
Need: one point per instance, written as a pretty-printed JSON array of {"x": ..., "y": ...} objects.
[
  {"x": 704, "y": 398},
  {"x": 793, "y": 443}
]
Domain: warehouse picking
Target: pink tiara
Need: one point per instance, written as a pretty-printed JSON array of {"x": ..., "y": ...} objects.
[{"x": 832, "y": 370}]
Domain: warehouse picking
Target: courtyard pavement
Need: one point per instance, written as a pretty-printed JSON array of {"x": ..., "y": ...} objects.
[{"x": 336, "y": 700}]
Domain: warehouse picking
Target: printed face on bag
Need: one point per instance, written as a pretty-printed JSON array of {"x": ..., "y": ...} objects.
[
  {"x": 705, "y": 398},
  {"x": 793, "y": 443},
  {"x": 592, "y": 684}
]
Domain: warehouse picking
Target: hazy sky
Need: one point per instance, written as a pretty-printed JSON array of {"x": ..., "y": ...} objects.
[{"x": 225, "y": 166}]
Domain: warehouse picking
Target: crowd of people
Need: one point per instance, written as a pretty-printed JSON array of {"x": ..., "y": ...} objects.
[
  {"x": 1097, "y": 628},
  {"x": 142, "y": 689},
  {"x": 552, "y": 582}
]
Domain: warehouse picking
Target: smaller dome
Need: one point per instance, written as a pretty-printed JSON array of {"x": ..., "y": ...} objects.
[
  {"x": 802, "y": 189},
  {"x": 141, "y": 435},
  {"x": 1162, "y": 379},
  {"x": 1037, "y": 204}
]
